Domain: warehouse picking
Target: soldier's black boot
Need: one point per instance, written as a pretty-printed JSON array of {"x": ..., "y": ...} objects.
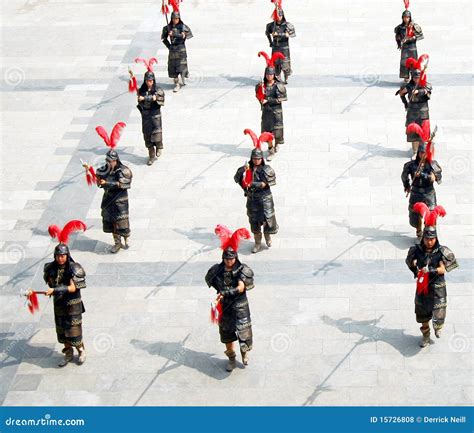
[
  {"x": 82, "y": 354},
  {"x": 68, "y": 355},
  {"x": 232, "y": 363},
  {"x": 117, "y": 244},
  {"x": 268, "y": 239},
  {"x": 425, "y": 341},
  {"x": 258, "y": 243},
  {"x": 151, "y": 155},
  {"x": 245, "y": 357}
]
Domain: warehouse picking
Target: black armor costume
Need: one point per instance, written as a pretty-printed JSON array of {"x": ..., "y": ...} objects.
[
  {"x": 431, "y": 305},
  {"x": 278, "y": 34},
  {"x": 272, "y": 111},
  {"x": 115, "y": 215},
  {"x": 174, "y": 37},
  {"x": 150, "y": 109},
  {"x": 421, "y": 187},
  {"x": 417, "y": 105},
  {"x": 260, "y": 206},
  {"x": 407, "y": 43},
  {"x": 235, "y": 323}
]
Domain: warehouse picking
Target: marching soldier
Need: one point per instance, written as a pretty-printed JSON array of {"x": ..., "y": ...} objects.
[
  {"x": 418, "y": 92},
  {"x": 65, "y": 279},
  {"x": 279, "y": 33},
  {"x": 151, "y": 98},
  {"x": 406, "y": 35},
  {"x": 232, "y": 279},
  {"x": 429, "y": 261},
  {"x": 174, "y": 36},
  {"x": 256, "y": 178},
  {"x": 419, "y": 176},
  {"x": 271, "y": 93}
]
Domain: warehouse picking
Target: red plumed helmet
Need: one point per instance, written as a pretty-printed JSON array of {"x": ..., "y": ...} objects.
[
  {"x": 422, "y": 131},
  {"x": 271, "y": 60},
  {"x": 148, "y": 63},
  {"x": 62, "y": 235},
  {"x": 229, "y": 239},
  {"x": 430, "y": 217},
  {"x": 114, "y": 138},
  {"x": 174, "y": 4}
]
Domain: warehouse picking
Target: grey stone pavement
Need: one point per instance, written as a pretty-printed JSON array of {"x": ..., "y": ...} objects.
[{"x": 333, "y": 305}]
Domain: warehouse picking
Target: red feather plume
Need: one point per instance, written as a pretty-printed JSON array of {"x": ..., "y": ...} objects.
[
  {"x": 237, "y": 237},
  {"x": 266, "y": 137},
  {"x": 148, "y": 63},
  {"x": 165, "y": 10},
  {"x": 407, "y": 3},
  {"x": 271, "y": 60},
  {"x": 70, "y": 227},
  {"x": 111, "y": 141},
  {"x": 229, "y": 239},
  {"x": 414, "y": 128},
  {"x": 256, "y": 141},
  {"x": 430, "y": 217},
  {"x": 411, "y": 63}
]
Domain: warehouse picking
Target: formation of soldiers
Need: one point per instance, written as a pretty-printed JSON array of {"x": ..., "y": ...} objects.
[{"x": 427, "y": 259}]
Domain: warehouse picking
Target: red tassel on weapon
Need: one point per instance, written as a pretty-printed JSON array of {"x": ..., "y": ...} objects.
[
  {"x": 247, "y": 178},
  {"x": 260, "y": 94},
  {"x": 91, "y": 177},
  {"x": 422, "y": 282},
  {"x": 132, "y": 83},
  {"x": 32, "y": 300},
  {"x": 216, "y": 311}
]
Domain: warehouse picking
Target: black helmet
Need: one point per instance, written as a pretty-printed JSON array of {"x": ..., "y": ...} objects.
[
  {"x": 269, "y": 70},
  {"x": 229, "y": 253},
  {"x": 61, "y": 249},
  {"x": 416, "y": 73},
  {"x": 175, "y": 14},
  {"x": 149, "y": 75},
  {"x": 429, "y": 232},
  {"x": 406, "y": 13},
  {"x": 111, "y": 155},
  {"x": 257, "y": 153}
]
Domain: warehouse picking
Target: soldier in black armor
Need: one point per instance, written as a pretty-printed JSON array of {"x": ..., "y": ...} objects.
[
  {"x": 406, "y": 35},
  {"x": 418, "y": 94},
  {"x": 429, "y": 261},
  {"x": 260, "y": 207},
  {"x": 174, "y": 36},
  {"x": 65, "y": 279},
  {"x": 151, "y": 98},
  {"x": 278, "y": 33},
  {"x": 418, "y": 178},
  {"x": 274, "y": 93},
  {"x": 115, "y": 178},
  {"x": 232, "y": 279}
]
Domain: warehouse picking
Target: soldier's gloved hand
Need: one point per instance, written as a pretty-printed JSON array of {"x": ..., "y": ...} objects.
[
  {"x": 230, "y": 291},
  {"x": 256, "y": 185},
  {"x": 421, "y": 263},
  {"x": 433, "y": 271}
]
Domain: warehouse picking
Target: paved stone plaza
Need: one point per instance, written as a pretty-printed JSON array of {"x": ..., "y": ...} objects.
[{"x": 332, "y": 310}]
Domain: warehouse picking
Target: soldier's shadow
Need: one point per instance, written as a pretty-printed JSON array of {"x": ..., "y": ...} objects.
[
  {"x": 407, "y": 345},
  {"x": 374, "y": 150},
  {"x": 373, "y": 234},
  {"x": 15, "y": 351},
  {"x": 178, "y": 355},
  {"x": 229, "y": 150}
]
